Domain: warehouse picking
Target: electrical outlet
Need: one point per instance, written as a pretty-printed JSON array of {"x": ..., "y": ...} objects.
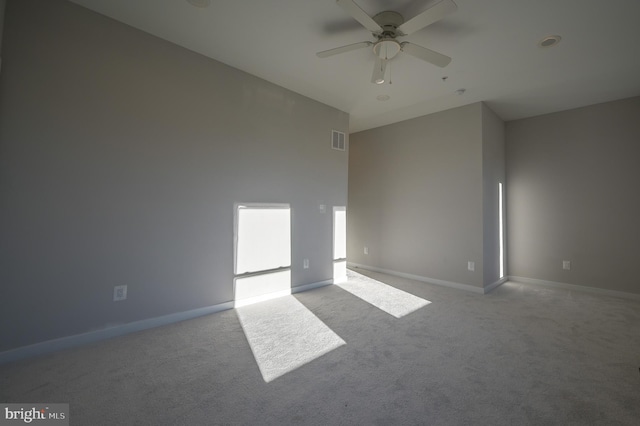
[
  {"x": 471, "y": 266},
  {"x": 566, "y": 265},
  {"x": 119, "y": 293},
  {"x": 366, "y": 250},
  {"x": 305, "y": 264},
  {"x": 323, "y": 208}
]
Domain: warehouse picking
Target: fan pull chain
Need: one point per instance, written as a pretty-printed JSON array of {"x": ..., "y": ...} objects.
[{"x": 390, "y": 82}]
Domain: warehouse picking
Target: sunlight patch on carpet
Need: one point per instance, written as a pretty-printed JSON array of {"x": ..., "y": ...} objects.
[
  {"x": 385, "y": 297},
  {"x": 284, "y": 335}
]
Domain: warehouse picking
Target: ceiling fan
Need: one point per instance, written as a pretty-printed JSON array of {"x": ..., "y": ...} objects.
[{"x": 386, "y": 27}]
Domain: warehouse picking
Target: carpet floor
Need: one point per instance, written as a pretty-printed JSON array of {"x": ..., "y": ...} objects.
[{"x": 520, "y": 355}]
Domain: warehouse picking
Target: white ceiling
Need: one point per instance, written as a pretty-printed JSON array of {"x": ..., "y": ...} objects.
[{"x": 493, "y": 44}]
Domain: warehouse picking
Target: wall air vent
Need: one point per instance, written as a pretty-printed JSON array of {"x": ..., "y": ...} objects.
[{"x": 338, "y": 140}]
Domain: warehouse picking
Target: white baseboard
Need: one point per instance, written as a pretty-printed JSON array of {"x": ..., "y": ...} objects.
[
  {"x": 595, "y": 290},
  {"x": 262, "y": 298},
  {"x": 307, "y": 287},
  {"x": 443, "y": 283},
  {"x": 106, "y": 333},
  {"x": 122, "y": 329},
  {"x": 491, "y": 286},
  {"x": 450, "y": 284}
]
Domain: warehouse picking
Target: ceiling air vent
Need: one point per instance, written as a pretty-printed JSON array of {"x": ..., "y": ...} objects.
[{"x": 337, "y": 140}]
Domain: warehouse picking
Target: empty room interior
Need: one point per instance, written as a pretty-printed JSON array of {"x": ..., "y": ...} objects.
[{"x": 321, "y": 212}]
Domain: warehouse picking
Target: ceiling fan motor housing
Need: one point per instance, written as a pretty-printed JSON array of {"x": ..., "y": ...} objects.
[
  {"x": 389, "y": 21},
  {"x": 387, "y": 47},
  {"x": 386, "y": 27}
]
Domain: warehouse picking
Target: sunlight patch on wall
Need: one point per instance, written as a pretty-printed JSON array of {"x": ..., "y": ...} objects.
[
  {"x": 339, "y": 233},
  {"x": 284, "y": 335},
  {"x": 385, "y": 297},
  {"x": 258, "y": 288},
  {"x": 501, "y": 228},
  {"x": 262, "y": 252},
  {"x": 339, "y": 271},
  {"x": 263, "y": 239},
  {"x": 339, "y": 244}
]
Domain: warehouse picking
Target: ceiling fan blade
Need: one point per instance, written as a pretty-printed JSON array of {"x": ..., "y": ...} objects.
[
  {"x": 425, "y": 54},
  {"x": 428, "y": 17},
  {"x": 378, "y": 70},
  {"x": 359, "y": 15},
  {"x": 347, "y": 24},
  {"x": 347, "y": 48}
]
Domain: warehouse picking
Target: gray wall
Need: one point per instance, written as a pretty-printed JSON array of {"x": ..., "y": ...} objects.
[
  {"x": 121, "y": 158},
  {"x": 3, "y": 4},
  {"x": 574, "y": 194},
  {"x": 415, "y": 196},
  {"x": 493, "y": 172}
]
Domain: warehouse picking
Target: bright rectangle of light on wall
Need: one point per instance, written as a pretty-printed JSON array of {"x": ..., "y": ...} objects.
[
  {"x": 258, "y": 288},
  {"x": 501, "y": 228},
  {"x": 262, "y": 252},
  {"x": 263, "y": 238},
  {"x": 339, "y": 233},
  {"x": 339, "y": 244}
]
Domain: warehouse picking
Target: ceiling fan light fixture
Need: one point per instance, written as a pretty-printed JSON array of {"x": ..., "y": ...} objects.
[
  {"x": 385, "y": 27},
  {"x": 386, "y": 49},
  {"x": 379, "y": 69}
]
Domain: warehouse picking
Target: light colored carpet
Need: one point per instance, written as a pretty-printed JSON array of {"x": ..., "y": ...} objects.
[
  {"x": 385, "y": 297},
  {"x": 520, "y": 355},
  {"x": 284, "y": 335}
]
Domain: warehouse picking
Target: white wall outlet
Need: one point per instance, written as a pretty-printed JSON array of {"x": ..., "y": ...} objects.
[
  {"x": 119, "y": 293},
  {"x": 366, "y": 250},
  {"x": 305, "y": 264},
  {"x": 471, "y": 266},
  {"x": 566, "y": 265},
  {"x": 323, "y": 208}
]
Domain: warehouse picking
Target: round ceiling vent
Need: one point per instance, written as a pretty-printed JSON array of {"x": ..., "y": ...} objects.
[{"x": 549, "y": 41}]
